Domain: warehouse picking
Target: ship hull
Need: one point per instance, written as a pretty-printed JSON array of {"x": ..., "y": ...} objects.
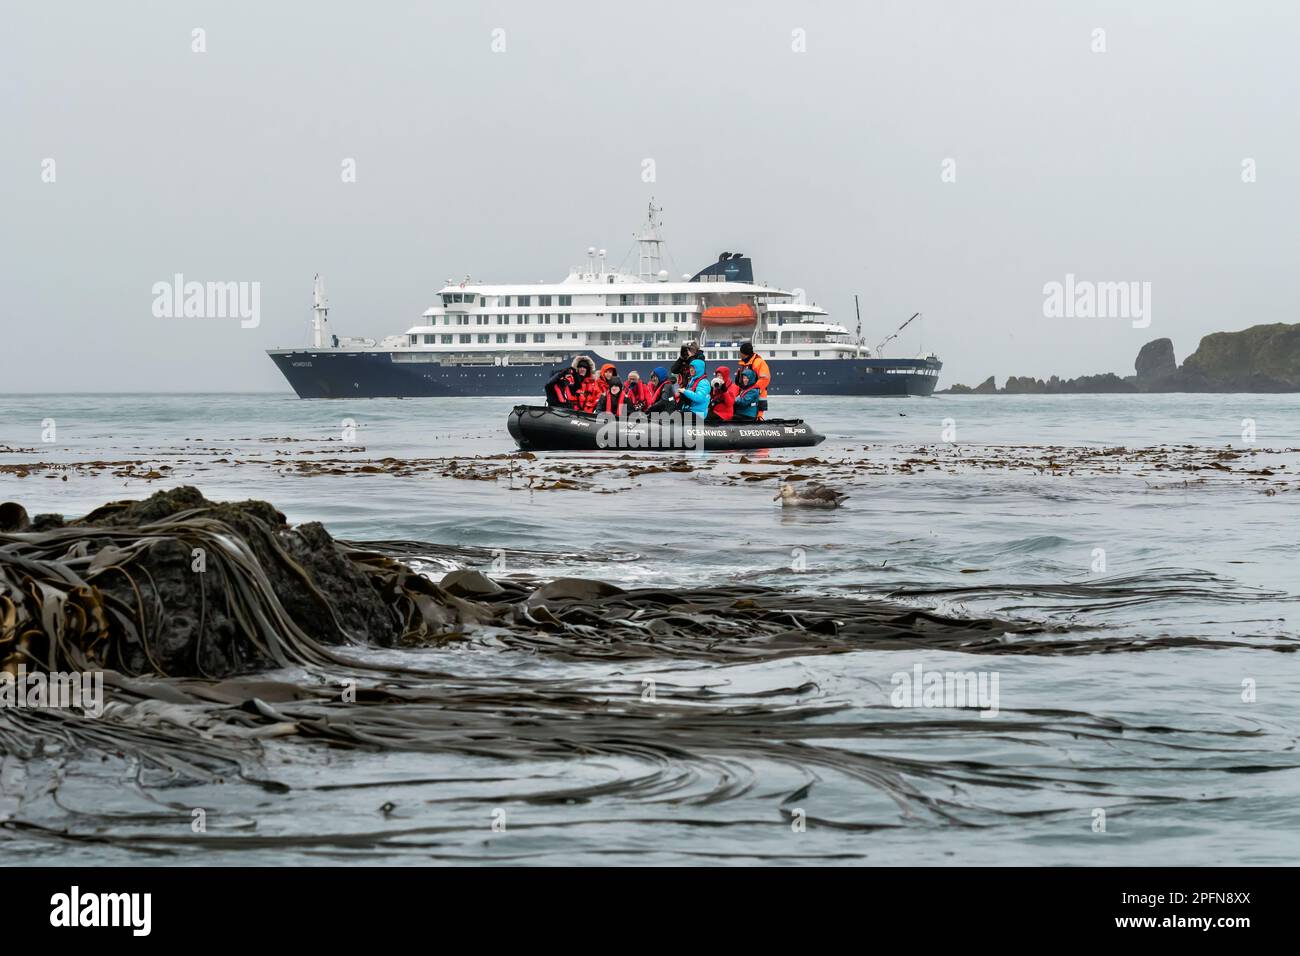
[{"x": 338, "y": 373}]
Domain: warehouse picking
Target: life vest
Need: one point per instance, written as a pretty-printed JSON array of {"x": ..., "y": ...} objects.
[
  {"x": 724, "y": 398},
  {"x": 758, "y": 365},
  {"x": 561, "y": 393},
  {"x": 609, "y": 402}
]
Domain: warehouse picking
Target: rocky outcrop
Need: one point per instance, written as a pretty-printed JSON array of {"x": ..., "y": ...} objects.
[
  {"x": 1086, "y": 384},
  {"x": 986, "y": 387},
  {"x": 1263, "y": 358},
  {"x": 1156, "y": 361}
]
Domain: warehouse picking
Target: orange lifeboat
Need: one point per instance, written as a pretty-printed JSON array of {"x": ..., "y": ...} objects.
[{"x": 728, "y": 315}]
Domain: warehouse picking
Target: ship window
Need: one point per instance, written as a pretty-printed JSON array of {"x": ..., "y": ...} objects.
[
  {"x": 428, "y": 340},
  {"x": 521, "y": 337},
  {"x": 412, "y": 339},
  {"x": 465, "y": 338},
  {"x": 795, "y": 353},
  {"x": 816, "y": 352},
  {"x": 627, "y": 300},
  {"x": 504, "y": 301},
  {"x": 484, "y": 338},
  {"x": 503, "y": 337},
  {"x": 524, "y": 300},
  {"x": 566, "y": 300},
  {"x": 543, "y": 300},
  {"x": 469, "y": 297},
  {"x": 446, "y": 340},
  {"x": 539, "y": 336},
  {"x": 652, "y": 299},
  {"x": 523, "y": 320}
]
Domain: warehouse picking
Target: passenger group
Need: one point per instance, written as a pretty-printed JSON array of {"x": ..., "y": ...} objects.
[{"x": 685, "y": 387}]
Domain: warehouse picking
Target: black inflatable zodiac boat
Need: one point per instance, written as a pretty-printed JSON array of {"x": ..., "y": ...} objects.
[{"x": 541, "y": 428}]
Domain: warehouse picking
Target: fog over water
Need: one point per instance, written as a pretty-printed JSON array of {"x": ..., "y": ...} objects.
[{"x": 935, "y": 157}]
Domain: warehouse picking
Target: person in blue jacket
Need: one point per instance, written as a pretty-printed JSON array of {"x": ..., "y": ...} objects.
[
  {"x": 696, "y": 391},
  {"x": 746, "y": 403}
]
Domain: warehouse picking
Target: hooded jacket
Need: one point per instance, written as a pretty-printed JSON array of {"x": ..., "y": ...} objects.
[
  {"x": 593, "y": 391},
  {"x": 662, "y": 391},
  {"x": 759, "y": 365},
  {"x": 724, "y": 396},
  {"x": 697, "y": 390},
  {"x": 746, "y": 400}
]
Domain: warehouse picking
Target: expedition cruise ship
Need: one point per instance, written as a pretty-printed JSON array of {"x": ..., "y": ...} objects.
[{"x": 489, "y": 339}]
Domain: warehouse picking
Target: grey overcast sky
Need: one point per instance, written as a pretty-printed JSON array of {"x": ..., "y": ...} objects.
[{"x": 824, "y": 165}]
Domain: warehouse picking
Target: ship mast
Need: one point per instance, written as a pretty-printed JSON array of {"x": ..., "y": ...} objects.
[
  {"x": 320, "y": 313},
  {"x": 650, "y": 242}
]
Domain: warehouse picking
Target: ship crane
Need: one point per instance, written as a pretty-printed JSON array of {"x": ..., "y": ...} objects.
[{"x": 891, "y": 338}]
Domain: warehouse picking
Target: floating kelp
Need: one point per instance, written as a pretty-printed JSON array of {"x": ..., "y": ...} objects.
[
  {"x": 180, "y": 600},
  {"x": 1269, "y": 470},
  {"x": 176, "y": 585}
]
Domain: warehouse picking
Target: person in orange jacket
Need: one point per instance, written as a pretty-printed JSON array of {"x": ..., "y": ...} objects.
[
  {"x": 593, "y": 391},
  {"x": 752, "y": 360}
]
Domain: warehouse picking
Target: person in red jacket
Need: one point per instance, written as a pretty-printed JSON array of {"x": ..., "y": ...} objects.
[
  {"x": 722, "y": 406},
  {"x": 593, "y": 391},
  {"x": 637, "y": 395}
]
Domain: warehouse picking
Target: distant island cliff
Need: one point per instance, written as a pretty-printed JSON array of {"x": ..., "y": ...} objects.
[{"x": 1263, "y": 358}]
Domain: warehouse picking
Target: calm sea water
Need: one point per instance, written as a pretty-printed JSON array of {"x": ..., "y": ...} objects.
[{"x": 1188, "y": 754}]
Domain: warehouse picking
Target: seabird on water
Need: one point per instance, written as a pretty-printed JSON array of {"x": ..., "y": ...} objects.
[{"x": 811, "y": 495}]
